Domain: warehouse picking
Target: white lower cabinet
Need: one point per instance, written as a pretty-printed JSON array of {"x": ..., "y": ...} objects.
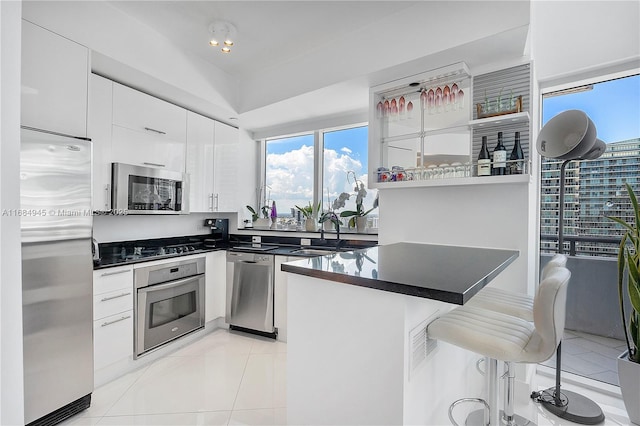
[
  {"x": 112, "y": 339},
  {"x": 215, "y": 285},
  {"x": 280, "y": 297},
  {"x": 112, "y": 321}
]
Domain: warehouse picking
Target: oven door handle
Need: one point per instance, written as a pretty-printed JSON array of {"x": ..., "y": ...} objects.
[{"x": 170, "y": 284}]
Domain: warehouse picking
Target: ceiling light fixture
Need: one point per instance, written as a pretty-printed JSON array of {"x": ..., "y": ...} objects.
[{"x": 222, "y": 32}]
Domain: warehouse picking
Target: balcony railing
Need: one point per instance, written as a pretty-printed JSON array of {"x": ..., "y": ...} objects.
[{"x": 577, "y": 245}]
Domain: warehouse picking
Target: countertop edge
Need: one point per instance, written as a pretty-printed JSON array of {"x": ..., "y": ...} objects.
[{"x": 406, "y": 289}]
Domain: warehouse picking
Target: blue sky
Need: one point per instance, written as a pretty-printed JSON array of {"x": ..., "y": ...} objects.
[{"x": 613, "y": 106}]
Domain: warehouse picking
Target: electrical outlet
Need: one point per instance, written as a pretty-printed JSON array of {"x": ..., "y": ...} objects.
[
  {"x": 305, "y": 241},
  {"x": 256, "y": 239}
]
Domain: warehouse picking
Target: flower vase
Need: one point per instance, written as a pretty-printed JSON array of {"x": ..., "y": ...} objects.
[
  {"x": 629, "y": 377},
  {"x": 262, "y": 222},
  {"x": 310, "y": 225},
  {"x": 361, "y": 223}
]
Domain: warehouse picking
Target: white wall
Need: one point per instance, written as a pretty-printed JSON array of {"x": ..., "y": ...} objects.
[
  {"x": 494, "y": 216},
  {"x": 11, "y": 368},
  {"x": 570, "y": 37}
]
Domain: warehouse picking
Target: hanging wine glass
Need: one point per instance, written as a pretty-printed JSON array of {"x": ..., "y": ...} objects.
[
  {"x": 446, "y": 97},
  {"x": 454, "y": 95},
  {"x": 401, "y": 107},
  {"x": 410, "y": 110},
  {"x": 379, "y": 109},
  {"x": 432, "y": 99},
  {"x": 423, "y": 99},
  {"x": 385, "y": 108},
  {"x": 460, "y": 99},
  {"x": 438, "y": 99},
  {"x": 394, "y": 109}
]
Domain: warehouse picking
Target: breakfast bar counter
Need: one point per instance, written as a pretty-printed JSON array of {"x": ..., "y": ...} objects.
[
  {"x": 357, "y": 347},
  {"x": 450, "y": 274}
]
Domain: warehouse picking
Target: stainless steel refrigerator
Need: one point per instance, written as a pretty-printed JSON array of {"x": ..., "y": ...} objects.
[{"x": 57, "y": 274}]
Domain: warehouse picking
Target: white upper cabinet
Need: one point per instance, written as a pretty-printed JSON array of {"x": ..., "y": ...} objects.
[
  {"x": 144, "y": 113},
  {"x": 99, "y": 130},
  {"x": 200, "y": 150},
  {"x": 147, "y": 131},
  {"x": 226, "y": 165},
  {"x": 55, "y": 74},
  {"x": 211, "y": 164}
]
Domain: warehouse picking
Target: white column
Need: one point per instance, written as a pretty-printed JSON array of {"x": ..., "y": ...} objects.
[{"x": 11, "y": 369}]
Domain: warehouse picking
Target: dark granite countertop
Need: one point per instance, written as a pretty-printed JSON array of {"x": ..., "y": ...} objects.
[
  {"x": 124, "y": 252},
  {"x": 449, "y": 274}
]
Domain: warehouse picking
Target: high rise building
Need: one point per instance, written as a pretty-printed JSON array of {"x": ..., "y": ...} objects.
[{"x": 593, "y": 190}]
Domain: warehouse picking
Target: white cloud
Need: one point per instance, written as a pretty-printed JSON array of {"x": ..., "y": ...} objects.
[{"x": 290, "y": 176}]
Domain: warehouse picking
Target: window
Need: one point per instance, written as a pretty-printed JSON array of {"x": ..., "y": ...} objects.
[
  {"x": 289, "y": 172},
  {"x": 594, "y": 189},
  {"x": 614, "y": 107},
  {"x": 296, "y": 175}
]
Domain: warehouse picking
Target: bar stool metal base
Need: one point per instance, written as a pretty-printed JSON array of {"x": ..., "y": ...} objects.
[
  {"x": 573, "y": 407},
  {"x": 476, "y": 418}
]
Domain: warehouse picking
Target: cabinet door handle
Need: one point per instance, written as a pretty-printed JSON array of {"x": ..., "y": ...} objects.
[
  {"x": 104, "y": 324},
  {"x": 160, "y": 132},
  {"x": 107, "y": 196},
  {"x": 216, "y": 204},
  {"x": 211, "y": 202},
  {"x": 154, "y": 164},
  {"x": 106, "y": 274},
  {"x": 104, "y": 299}
]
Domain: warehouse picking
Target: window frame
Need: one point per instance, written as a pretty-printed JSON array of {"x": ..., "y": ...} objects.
[
  {"x": 589, "y": 77},
  {"x": 318, "y": 155}
]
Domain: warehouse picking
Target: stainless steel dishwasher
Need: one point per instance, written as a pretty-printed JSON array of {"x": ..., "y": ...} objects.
[{"x": 250, "y": 293}]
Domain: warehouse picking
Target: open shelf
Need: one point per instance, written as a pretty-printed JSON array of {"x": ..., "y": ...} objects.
[
  {"x": 519, "y": 117},
  {"x": 463, "y": 181}
]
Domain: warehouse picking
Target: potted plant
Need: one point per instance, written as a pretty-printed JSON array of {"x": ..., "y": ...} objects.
[
  {"x": 310, "y": 213},
  {"x": 629, "y": 284},
  {"x": 330, "y": 219},
  {"x": 358, "y": 216},
  {"x": 260, "y": 222}
]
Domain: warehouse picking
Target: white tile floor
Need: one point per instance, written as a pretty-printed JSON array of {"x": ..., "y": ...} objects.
[{"x": 229, "y": 378}]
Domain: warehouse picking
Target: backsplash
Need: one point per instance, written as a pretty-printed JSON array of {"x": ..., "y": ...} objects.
[{"x": 141, "y": 227}]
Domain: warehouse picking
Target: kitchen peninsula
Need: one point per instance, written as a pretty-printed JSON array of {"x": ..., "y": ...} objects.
[{"x": 358, "y": 352}]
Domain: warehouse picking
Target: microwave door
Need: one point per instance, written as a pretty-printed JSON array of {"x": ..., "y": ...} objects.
[{"x": 146, "y": 190}]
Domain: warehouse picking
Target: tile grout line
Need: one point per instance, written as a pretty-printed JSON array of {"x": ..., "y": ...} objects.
[
  {"x": 240, "y": 384},
  {"x": 145, "y": 368}
]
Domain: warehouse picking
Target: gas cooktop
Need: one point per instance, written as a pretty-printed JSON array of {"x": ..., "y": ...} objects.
[{"x": 127, "y": 252}]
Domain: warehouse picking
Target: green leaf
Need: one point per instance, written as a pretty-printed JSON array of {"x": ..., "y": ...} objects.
[
  {"x": 634, "y": 283},
  {"x": 348, "y": 213}
]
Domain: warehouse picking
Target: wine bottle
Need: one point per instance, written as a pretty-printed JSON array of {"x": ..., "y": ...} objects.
[
  {"x": 516, "y": 165},
  {"x": 499, "y": 158},
  {"x": 484, "y": 160}
]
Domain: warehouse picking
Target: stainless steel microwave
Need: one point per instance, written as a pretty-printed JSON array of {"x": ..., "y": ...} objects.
[{"x": 148, "y": 190}]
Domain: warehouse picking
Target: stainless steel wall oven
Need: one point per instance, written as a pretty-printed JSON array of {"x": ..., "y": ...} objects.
[{"x": 169, "y": 302}]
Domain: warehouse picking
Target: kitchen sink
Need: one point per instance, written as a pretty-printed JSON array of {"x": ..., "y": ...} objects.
[{"x": 313, "y": 252}]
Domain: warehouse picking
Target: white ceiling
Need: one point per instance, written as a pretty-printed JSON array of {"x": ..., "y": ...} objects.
[
  {"x": 270, "y": 33},
  {"x": 294, "y": 61}
]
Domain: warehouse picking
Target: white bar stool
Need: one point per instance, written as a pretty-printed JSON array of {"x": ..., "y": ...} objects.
[
  {"x": 507, "y": 338},
  {"x": 510, "y": 302}
]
